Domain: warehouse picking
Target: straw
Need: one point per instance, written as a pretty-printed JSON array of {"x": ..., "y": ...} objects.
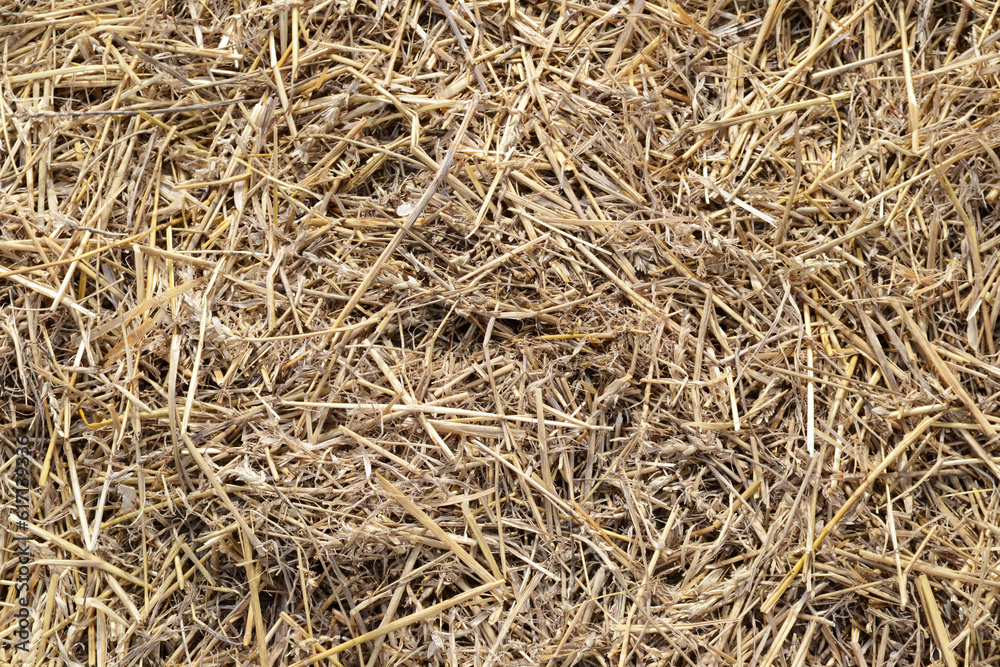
[{"x": 406, "y": 332}]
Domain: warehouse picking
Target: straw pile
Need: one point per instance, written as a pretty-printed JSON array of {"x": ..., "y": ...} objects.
[{"x": 397, "y": 332}]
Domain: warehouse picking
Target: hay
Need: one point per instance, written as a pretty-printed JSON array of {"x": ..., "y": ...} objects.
[{"x": 392, "y": 332}]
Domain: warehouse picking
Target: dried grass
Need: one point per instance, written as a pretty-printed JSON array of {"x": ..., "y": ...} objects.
[{"x": 392, "y": 332}]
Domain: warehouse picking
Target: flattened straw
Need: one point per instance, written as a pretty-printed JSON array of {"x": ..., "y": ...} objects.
[
  {"x": 862, "y": 489},
  {"x": 399, "y": 623},
  {"x": 699, "y": 246},
  {"x": 418, "y": 210},
  {"x": 933, "y": 615}
]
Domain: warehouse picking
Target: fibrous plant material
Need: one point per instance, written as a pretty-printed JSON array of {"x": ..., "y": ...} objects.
[{"x": 408, "y": 332}]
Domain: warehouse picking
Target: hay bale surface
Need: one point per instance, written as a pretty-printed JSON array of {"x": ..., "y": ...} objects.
[{"x": 406, "y": 332}]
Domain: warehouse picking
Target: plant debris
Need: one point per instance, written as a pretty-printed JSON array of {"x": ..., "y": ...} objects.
[{"x": 395, "y": 332}]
